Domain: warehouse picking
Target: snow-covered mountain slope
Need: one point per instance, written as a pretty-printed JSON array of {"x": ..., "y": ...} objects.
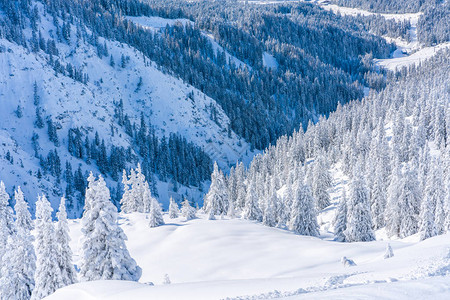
[
  {"x": 217, "y": 259},
  {"x": 166, "y": 102}
]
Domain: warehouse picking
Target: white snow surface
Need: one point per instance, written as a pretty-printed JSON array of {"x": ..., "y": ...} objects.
[{"x": 228, "y": 258}]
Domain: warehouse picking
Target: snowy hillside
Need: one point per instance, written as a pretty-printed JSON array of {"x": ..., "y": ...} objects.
[
  {"x": 238, "y": 258},
  {"x": 167, "y": 103}
]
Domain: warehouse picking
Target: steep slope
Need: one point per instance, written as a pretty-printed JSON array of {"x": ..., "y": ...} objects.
[{"x": 166, "y": 103}]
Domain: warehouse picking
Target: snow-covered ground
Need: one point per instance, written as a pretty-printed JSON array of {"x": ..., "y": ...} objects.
[
  {"x": 156, "y": 23},
  {"x": 238, "y": 258},
  {"x": 421, "y": 55}
]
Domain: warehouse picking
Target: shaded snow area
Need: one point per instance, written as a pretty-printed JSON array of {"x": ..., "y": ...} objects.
[
  {"x": 156, "y": 23},
  {"x": 269, "y": 61},
  {"x": 240, "y": 259},
  {"x": 229, "y": 58}
]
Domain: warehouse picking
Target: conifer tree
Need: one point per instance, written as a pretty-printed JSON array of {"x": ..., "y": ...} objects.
[
  {"x": 340, "y": 221},
  {"x": 18, "y": 267},
  {"x": 269, "y": 217},
  {"x": 173, "y": 209},
  {"x": 62, "y": 239},
  {"x": 48, "y": 276},
  {"x": 321, "y": 181},
  {"x": 6, "y": 219},
  {"x": 23, "y": 216},
  {"x": 217, "y": 199},
  {"x": 378, "y": 198},
  {"x": 303, "y": 212},
  {"x": 251, "y": 209},
  {"x": 104, "y": 255},
  {"x": 155, "y": 215},
  {"x": 359, "y": 219},
  {"x": 187, "y": 210}
]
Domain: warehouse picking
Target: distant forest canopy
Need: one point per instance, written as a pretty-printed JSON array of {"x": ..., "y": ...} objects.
[
  {"x": 322, "y": 57},
  {"x": 434, "y": 23}
]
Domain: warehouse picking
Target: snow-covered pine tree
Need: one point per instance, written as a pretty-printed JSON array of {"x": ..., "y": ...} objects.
[
  {"x": 269, "y": 217},
  {"x": 378, "y": 198},
  {"x": 48, "y": 276},
  {"x": 104, "y": 255},
  {"x": 251, "y": 209},
  {"x": 340, "y": 220},
  {"x": 6, "y": 219},
  {"x": 23, "y": 216},
  {"x": 440, "y": 211},
  {"x": 147, "y": 198},
  {"x": 392, "y": 213},
  {"x": 303, "y": 214},
  {"x": 359, "y": 219},
  {"x": 127, "y": 201},
  {"x": 68, "y": 273},
  {"x": 431, "y": 196},
  {"x": 321, "y": 181},
  {"x": 187, "y": 210},
  {"x": 173, "y": 209},
  {"x": 18, "y": 267},
  {"x": 409, "y": 201},
  {"x": 217, "y": 199},
  {"x": 155, "y": 216}
]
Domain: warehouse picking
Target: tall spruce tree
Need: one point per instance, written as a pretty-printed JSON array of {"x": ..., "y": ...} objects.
[
  {"x": 48, "y": 276},
  {"x": 104, "y": 255},
  {"x": 68, "y": 273}
]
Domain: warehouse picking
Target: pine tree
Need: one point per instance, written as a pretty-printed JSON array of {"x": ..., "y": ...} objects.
[
  {"x": 409, "y": 202},
  {"x": 251, "y": 209},
  {"x": 217, "y": 198},
  {"x": 321, "y": 181},
  {"x": 19, "y": 262},
  {"x": 432, "y": 195},
  {"x": 173, "y": 209},
  {"x": 48, "y": 276},
  {"x": 269, "y": 217},
  {"x": 155, "y": 215},
  {"x": 127, "y": 202},
  {"x": 303, "y": 212},
  {"x": 6, "y": 219},
  {"x": 378, "y": 198},
  {"x": 340, "y": 221},
  {"x": 18, "y": 267},
  {"x": 359, "y": 219},
  {"x": 23, "y": 216},
  {"x": 104, "y": 254},
  {"x": 62, "y": 239},
  {"x": 187, "y": 210}
]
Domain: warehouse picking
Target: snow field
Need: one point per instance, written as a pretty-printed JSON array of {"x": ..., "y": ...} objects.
[{"x": 229, "y": 258}]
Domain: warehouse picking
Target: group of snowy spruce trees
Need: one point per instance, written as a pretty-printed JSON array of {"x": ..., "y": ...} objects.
[
  {"x": 36, "y": 258},
  {"x": 27, "y": 270},
  {"x": 392, "y": 152},
  {"x": 137, "y": 197}
]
